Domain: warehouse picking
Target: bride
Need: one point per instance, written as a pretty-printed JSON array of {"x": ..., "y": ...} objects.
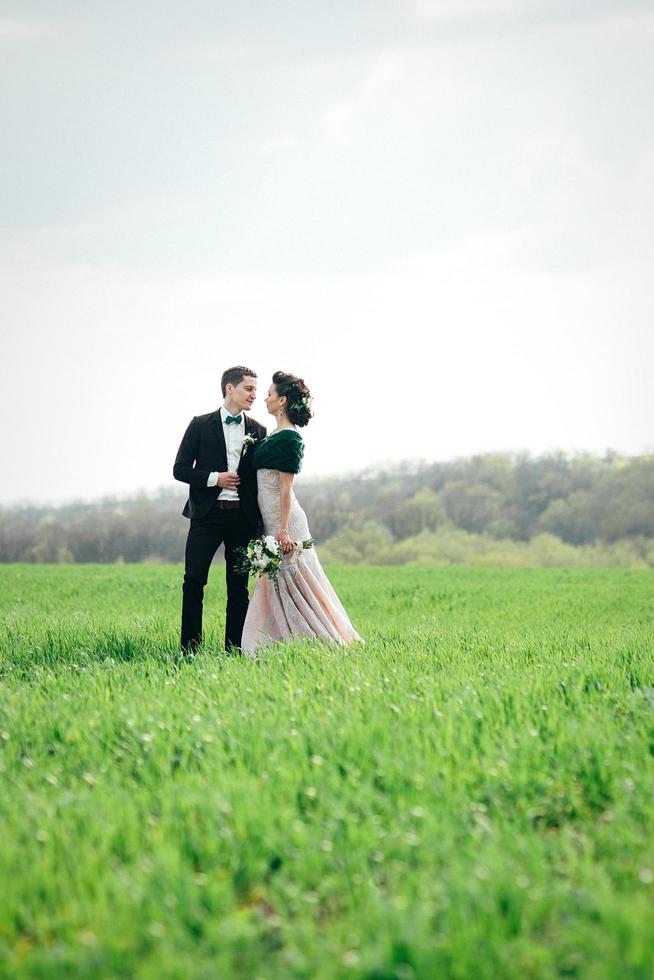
[{"x": 301, "y": 603}]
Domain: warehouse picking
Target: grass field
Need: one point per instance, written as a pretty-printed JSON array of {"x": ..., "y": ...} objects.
[{"x": 469, "y": 795}]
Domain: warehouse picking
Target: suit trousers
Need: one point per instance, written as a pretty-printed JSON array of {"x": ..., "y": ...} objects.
[{"x": 205, "y": 536}]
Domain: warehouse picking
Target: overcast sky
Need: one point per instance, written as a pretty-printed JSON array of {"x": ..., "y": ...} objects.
[{"x": 439, "y": 212}]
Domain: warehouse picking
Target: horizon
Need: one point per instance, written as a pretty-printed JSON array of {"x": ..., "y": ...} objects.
[{"x": 411, "y": 465}]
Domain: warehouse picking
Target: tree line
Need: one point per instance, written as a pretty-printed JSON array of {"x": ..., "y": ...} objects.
[{"x": 491, "y": 508}]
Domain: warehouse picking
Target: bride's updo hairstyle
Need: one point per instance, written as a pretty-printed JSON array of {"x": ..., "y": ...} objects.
[{"x": 298, "y": 397}]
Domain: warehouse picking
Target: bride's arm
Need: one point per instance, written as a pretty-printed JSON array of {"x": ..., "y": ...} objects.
[{"x": 285, "y": 484}]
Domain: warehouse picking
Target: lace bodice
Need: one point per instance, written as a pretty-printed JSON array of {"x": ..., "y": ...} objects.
[{"x": 270, "y": 507}]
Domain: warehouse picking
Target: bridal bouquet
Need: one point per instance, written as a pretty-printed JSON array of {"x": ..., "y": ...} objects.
[{"x": 263, "y": 556}]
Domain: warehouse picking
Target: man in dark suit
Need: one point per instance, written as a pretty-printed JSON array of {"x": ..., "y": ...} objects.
[{"x": 215, "y": 459}]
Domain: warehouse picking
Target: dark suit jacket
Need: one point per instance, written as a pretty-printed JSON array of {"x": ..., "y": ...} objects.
[{"x": 203, "y": 451}]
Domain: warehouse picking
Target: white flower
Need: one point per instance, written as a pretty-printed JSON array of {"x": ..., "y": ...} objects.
[
  {"x": 302, "y": 404},
  {"x": 263, "y": 556},
  {"x": 248, "y": 441}
]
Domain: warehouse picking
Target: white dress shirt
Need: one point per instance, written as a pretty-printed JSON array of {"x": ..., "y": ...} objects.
[{"x": 234, "y": 436}]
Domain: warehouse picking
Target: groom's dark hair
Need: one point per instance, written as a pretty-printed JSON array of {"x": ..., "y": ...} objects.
[{"x": 234, "y": 376}]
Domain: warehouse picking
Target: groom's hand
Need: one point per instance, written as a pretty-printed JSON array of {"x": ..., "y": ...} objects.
[{"x": 229, "y": 481}]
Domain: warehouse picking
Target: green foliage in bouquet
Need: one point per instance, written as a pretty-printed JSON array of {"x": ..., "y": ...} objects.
[{"x": 264, "y": 555}]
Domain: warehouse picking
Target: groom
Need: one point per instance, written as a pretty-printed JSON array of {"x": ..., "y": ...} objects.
[{"x": 215, "y": 459}]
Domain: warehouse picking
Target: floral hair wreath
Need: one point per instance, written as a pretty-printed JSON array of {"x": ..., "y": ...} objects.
[{"x": 303, "y": 405}]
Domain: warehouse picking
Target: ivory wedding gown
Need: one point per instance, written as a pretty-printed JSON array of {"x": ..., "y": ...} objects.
[{"x": 302, "y": 603}]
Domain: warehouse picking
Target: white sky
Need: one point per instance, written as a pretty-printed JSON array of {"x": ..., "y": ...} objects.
[{"x": 439, "y": 212}]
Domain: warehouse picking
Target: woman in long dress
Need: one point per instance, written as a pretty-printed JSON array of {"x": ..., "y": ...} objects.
[{"x": 301, "y": 603}]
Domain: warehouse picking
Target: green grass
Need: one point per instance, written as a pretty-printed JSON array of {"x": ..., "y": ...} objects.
[{"x": 469, "y": 795}]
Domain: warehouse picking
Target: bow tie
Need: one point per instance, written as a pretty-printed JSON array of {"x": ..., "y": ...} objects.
[{"x": 233, "y": 418}]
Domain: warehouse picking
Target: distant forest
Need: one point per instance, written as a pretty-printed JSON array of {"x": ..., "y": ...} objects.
[{"x": 555, "y": 509}]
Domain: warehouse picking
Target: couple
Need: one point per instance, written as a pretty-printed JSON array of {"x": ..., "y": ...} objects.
[{"x": 241, "y": 485}]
